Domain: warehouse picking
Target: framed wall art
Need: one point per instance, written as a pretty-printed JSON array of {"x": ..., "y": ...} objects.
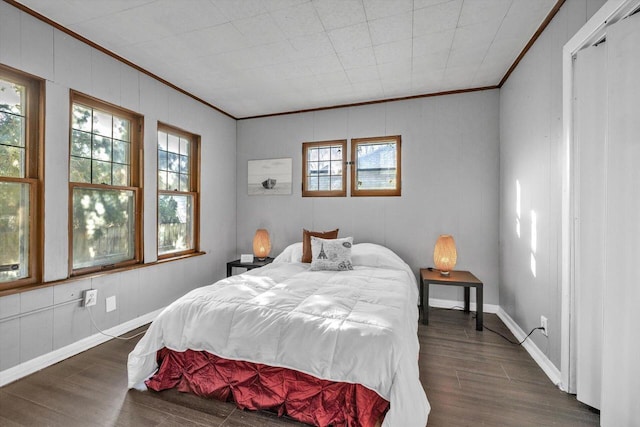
[{"x": 269, "y": 177}]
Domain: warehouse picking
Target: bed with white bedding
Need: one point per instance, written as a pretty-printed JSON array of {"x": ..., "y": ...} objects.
[{"x": 357, "y": 326}]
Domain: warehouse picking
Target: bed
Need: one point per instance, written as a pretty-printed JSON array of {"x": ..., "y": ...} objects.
[{"x": 285, "y": 325}]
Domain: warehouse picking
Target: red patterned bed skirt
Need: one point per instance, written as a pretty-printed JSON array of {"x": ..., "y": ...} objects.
[{"x": 255, "y": 386}]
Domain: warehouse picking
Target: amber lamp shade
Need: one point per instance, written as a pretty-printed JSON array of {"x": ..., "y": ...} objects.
[
  {"x": 261, "y": 244},
  {"x": 445, "y": 254}
]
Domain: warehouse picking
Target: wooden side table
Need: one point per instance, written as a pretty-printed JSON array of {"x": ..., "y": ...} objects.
[
  {"x": 455, "y": 278},
  {"x": 256, "y": 263}
]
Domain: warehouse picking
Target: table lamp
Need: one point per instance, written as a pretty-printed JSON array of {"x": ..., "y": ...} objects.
[
  {"x": 261, "y": 244},
  {"x": 445, "y": 254}
]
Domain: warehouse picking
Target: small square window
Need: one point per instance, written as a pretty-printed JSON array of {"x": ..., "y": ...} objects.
[
  {"x": 376, "y": 166},
  {"x": 324, "y": 169}
]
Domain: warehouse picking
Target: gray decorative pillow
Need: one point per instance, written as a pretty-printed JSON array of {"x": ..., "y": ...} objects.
[{"x": 331, "y": 254}]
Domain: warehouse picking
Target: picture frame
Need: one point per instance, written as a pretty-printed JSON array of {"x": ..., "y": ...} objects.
[{"x": 268, "y": 177}]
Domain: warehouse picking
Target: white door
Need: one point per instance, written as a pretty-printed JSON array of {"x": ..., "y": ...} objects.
[
  {"x": 590, "y": 178},
  {"x": 621, "y": 302}
]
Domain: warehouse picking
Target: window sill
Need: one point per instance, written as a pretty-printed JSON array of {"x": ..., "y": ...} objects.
[{"x": 35, "y": 286}]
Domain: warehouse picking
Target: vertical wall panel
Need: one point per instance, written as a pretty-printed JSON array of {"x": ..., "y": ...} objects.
[
  {"x": 36, "y": 335},
  {"x": 70, "y": 291},
  {"x": 9, "y": 26},
  {"x": 9, "y": 332},
  {"x": 71, "y": 323},
  {"x": 72, "y": 62},
  {"x": 10, "y": 305},
  {"x": 10, "y": 350},
  {"x": 150, "y": 191},
  {"x": 56, "y": 176},
  {"x": 330, "y": 125},
  {"x": 129, "y": 88},
  {"x": 128, "y": 296},
  {"x": 105, "y": 77},
  {"x": 37, "y": 299},
  {"x": 36, "y": 47}
]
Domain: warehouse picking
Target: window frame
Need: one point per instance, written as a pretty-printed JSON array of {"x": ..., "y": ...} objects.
[
  {"x": 33, "y": 176},
  {"x": 194, "y": 189},
  {"x": 136, "y": 127},
  {"x": 324, "y": 193},
  {"x": 355, "y": 192}
]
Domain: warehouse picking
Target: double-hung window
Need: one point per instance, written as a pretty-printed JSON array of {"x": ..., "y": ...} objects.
[
  {"x": 105, "y": 186},
  {"x": 324, "y": 169},
  {"x": 178, "y": 196},
  {"x": 20, "y": 174}
]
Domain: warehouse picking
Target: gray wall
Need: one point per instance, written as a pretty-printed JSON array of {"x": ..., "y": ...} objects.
[
  {"x": 450, "y": 181},
  {"x": 37, "y": 48},
  {"x": 530, "y": 144}
]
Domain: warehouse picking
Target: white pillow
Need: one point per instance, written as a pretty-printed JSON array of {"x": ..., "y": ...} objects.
[
  {"x": 292, "y": 253},
  {"x": 331, "y": 254}
]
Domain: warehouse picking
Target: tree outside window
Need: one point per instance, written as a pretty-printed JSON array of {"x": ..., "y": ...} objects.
[
  {"x": 20, "y": 225},
  {"x": 104, "y": 175},
  {"x": 178, "y": 194}
]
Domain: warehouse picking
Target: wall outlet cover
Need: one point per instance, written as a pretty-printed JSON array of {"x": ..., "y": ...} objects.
[
  {"x": 110, "y": 303},
  {"x": 90, "y": 297}
]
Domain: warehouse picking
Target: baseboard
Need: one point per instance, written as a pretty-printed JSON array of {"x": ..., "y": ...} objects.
[
  {"x": 34, "y": 365},
  {"x": 446, "y": 303},
  {"x": 538, "y": 356}
]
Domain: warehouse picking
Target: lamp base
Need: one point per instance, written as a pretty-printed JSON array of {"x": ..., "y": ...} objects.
[
  {"x": 444, "y": 273},
  {"x": 261, "y": 259}
]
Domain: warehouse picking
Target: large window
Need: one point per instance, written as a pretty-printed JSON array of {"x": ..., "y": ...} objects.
[
  {"x": 324, "y": 169},
  {"x": 20, "y": 174},
  {"x": 104, "y": 179},
  {"x": 178, "y": 182},
  {"x": 376, "y": 166}
]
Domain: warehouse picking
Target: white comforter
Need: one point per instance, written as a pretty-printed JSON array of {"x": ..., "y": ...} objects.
[{"x": 355, "y": 326}]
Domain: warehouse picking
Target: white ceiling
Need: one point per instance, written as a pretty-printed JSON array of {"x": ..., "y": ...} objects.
[{"x": 257, "y": 57}]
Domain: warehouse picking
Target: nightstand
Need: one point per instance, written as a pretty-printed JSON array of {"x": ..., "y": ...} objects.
[
  {"x": 256, "y": 263},
  {"x": 455, "y": 278}
]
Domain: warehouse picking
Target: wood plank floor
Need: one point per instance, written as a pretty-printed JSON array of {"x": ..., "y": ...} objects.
[{"x": 470, "y": 377}]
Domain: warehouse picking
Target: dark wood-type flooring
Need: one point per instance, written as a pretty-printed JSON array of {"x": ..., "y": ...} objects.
[{"x": 471, "y": 378}]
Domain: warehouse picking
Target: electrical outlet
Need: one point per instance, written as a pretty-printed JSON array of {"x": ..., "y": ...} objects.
[
  {"x": 543, "y": 324},
  {"x": 110, "y": 304},
  {"x": 90, "y": 297}
]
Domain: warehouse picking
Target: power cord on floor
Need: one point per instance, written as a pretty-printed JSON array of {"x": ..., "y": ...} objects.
[
  {"x": 112, "y": 336},
  {"x": 457, "y": 307},
  {"x": 507, "y": 338}
]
